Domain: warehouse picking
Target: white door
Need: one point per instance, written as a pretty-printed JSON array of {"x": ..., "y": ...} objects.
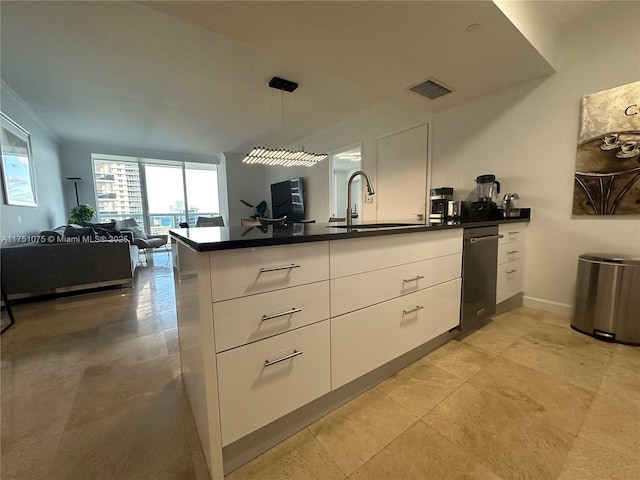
[{"x": 401, "y": 191}]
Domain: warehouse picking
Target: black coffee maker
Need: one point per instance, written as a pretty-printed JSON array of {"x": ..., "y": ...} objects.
[{"x": 485, "y": 208}]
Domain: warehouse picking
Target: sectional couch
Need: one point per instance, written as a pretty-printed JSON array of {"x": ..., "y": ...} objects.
[{"x": 58, "y": 263}]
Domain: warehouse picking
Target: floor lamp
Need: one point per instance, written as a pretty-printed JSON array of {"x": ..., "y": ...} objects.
[{"x": 75, "y": 184}]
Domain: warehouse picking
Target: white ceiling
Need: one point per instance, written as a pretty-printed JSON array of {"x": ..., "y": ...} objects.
[{"x": 191, "y": 77}]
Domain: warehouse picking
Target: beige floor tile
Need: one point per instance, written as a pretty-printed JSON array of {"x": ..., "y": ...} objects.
[
  {"x": 419, "y": 387},
  {"x": 600, "y": 462},
  {"x": 106, "y": 389},
  {"x": 583, "y": 368},
  {"x": 138, "y": 440},
  {"x": 615, "y": 423},
  {"x": 422, "y": 453},
  {"x": 493, "y": 338},
  {"x": 545, "y": 397},
  {"x": 542, "y": 316},
  {"x": 501, "y": 434},
  {"x": 622, "y": 382},
  {"x": 517, "y": 324},
  {"x": 460, "y": 359},
  {"x": 626, "y": 356},
  {"x": 30, "y": 458},
  {"x": 577, "y": 473},
  {"x": 298, "y": 457},
  {"x": 358, "y": 430}
]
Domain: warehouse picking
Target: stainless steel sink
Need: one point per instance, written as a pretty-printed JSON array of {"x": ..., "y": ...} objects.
[{"x": 377, "y": 225}]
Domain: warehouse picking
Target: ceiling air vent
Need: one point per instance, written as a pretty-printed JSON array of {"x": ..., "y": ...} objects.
[{"x": 430, "y": 89}]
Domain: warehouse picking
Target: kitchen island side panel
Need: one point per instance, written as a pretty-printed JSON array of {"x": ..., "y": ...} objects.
[{"x": 192, "y": 279}]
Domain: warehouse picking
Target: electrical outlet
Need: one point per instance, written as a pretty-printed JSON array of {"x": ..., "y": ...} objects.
[{"x": 368, "y": 199}]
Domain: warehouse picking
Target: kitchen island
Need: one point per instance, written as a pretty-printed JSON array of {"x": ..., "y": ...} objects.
[{"x": 280, "y": 325}]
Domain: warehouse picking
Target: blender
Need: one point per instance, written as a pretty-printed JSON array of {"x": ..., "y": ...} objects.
[{"x": 485, "y": 208}]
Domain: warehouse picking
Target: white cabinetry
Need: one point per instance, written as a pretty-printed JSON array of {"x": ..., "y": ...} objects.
[
  {"x": 368, "y": 338},
  {"x": 265, "y": 380},
  {"x": 271, "y": 332},
  {"x": 511, "y": 251},
  {"x": 390, "y": 295}
]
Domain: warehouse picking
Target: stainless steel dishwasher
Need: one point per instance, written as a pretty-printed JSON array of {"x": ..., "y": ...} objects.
[{"x": 479, "y": 270}]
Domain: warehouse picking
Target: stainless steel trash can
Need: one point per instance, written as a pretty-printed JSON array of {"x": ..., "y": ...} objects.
[{"x": 608, "y": 297}]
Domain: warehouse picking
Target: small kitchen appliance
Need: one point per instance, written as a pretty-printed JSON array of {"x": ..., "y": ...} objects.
[
  {"x": 510, "y": 208},
  {"x": 485, "y": 207},
  {"x": 440, "y": 199}
]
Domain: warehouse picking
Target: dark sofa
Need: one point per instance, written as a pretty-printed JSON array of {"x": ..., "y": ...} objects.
[{"x": 61, "y": 266}]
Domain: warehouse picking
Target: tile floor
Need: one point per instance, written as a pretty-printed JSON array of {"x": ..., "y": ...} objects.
[{"x": 91, "y": 389}]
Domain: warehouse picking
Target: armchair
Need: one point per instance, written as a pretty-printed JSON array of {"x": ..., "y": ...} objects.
[{"x": 141, "y": 239}]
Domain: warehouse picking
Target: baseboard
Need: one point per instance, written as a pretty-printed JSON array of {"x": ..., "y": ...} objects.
[
  {"x": 549, "y": 306},
  {"x": 509, "y": 304}
]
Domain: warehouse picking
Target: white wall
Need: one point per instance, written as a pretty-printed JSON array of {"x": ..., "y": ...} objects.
[
  {"x": 527, "y": 137},
  {"x": 50, "y": 212}
]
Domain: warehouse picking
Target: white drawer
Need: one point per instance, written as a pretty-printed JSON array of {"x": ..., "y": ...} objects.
[
  {"x": 508, "y": 252},
  {"x": 247, "y": 319},
  {"x": 513, "y": 232},
  {"x": 366, "y": 339},
  {"x": 358, "y": 255},
  {"x": 510, "y": 280},
  {"x": 246, "y": 271},
  {"x": 253, "y": 394},
  {"x": 358, "y": 291}
]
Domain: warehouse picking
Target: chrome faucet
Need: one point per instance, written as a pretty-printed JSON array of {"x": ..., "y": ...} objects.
[{"x": 350, "y": 214}]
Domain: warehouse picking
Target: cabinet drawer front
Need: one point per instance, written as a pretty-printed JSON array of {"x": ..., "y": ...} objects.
[
  {"x": 358, "y": 255},
  {"x": 253, "y": 394},
  {"x": 508, "y": 252},
  {"x": 247, "y": 319},
  {"x": 510, "y": 280},
  {"x": 246, "y": 271},
  {"x": 358, "y": 291},
  {"x": 366, "y": 339},
  {"x": 513, "y": 232}
]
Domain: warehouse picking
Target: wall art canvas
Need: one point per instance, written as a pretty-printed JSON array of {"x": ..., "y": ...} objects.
[
  {"x": 607, "y": 179},
  {"x": 18, "y": 175}
]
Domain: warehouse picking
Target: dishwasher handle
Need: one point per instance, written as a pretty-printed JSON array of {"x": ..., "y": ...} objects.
[{"x": 484, "y": 239}]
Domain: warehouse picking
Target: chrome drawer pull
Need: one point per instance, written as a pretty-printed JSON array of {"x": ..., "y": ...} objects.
[
  {"x": 512, "y": 252},
  {"x": 284, "y": 267},
  {"x": 415, "y": 279},
  {"x": 407, "y": 312},
  {"x": 295, "y": 353},
  {"x": 513, "y": 233},
  {"x": 283, "y": 314},
  {"x": 511, "y": 271}
]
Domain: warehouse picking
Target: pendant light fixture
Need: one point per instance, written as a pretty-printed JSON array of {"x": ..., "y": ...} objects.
[{"x": 282, "y": 156}]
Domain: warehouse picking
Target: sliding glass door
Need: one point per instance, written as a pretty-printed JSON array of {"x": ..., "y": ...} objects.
[
  {"x": 166, "y": 204},
  {"x": 158, "y": 194}
]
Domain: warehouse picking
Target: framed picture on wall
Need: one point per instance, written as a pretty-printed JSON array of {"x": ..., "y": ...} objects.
[{"x": 18, "y": 175}]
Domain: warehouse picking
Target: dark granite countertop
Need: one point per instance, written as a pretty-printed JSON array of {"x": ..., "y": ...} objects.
[{"x": 205, "y": 239}]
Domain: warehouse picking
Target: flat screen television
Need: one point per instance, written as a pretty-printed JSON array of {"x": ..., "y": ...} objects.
[{"x": 287, "y": 198}]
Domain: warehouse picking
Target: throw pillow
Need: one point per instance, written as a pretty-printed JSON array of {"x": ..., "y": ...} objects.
[
  {"x": 125, "y": 224},
  {"x": 83, "y": 234},
  {"x": 138, "y": 233}
]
